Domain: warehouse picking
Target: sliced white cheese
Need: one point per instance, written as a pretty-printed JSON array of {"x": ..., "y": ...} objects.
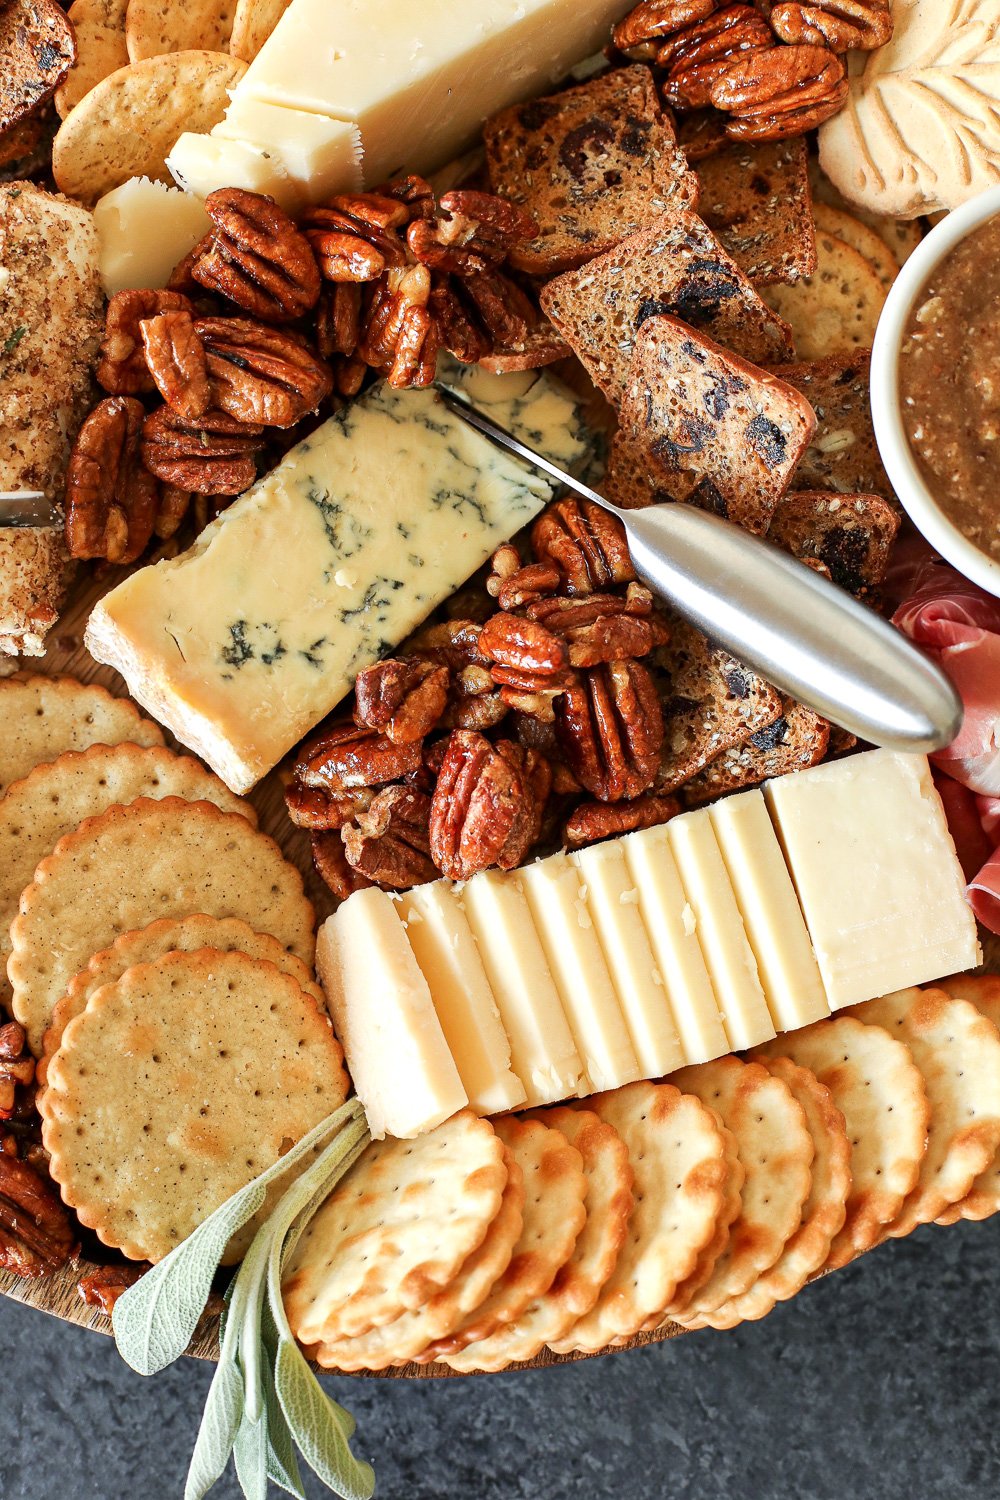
[
  {"x": 542, "y": 1050},
  {"x": 145, "y": 229},
  {"x": 613, "y": 902},
  {"x": 382, "y": 1012},
  {"x": 200, "y": 164},
  {"x": 673, "y": 936},
  {"x": 770, "y": 909},
  {"x": 724, "y": 941},
  {"x": 881, "y": 888},
  {"x": 445, "y": 950},
  {"x": 296, "y": 157},
  {"x": 577, "y": 963}
]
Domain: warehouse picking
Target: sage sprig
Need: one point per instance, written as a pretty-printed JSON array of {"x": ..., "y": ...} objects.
[{"x": 264, "y": 1400}]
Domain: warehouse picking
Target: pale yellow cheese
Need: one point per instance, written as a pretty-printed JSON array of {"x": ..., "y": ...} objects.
[
  {"x": 673, "y": 936},
  {"x": 144, "y": 229},
  {"x": 446, "y": 954},
  {"x": 296, "y": 157},
  {"x": 577, "y": 963},
  {"x": 384, "y": 1017},
  {"x": 200, "y": 164},
  {"x": 881, "y": 888},
  {"x": 613, "y": 902},
  {"x": 724, "y": 941},
  {"x": 786, "y": 963},
  {"x": 542, "y": 1050}
]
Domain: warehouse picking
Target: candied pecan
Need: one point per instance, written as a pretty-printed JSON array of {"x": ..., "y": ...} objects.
[
  {"x": 103, "y": 1285},
  {"x": 172, "y": 506},
  {"x": 451, "y": 643},
  {"x": 345, "y": 257},
  {"x": 17, "y": 1066},
  {"x": 338, "y": 320},
  {"x": 260, "y": 374},
  {"x": 258, "y": 259},
  {"x": 354, "y": 235},
  {"x": 345, "y": 756},
  {"x": 212, "y": 454},
  {"x": 585, "y": 543},
  {"x": 532, "y": 693},
  {"x": 402, "y": 698},
  {"x": 599, "y": 627},
  {"x": 330, "y": 860},
  {"x": 472, "y": 233},
  {"x": 390, "y": 843},
  {"x": 841, "y": 25},
  {"x": 487, "y": 805},
  {"x": 592, "y": 821},
  {"x": 383, "y": 323},
  {"x": 480, "y": 709},
  {"x": 513, "y": 584},
  {"x": 506, "y": 311},
  {"x": 121, "y": 368},
  {"x": 349, "y": 376},
  {"x": 181, "y": 279},
  {"x": 527, "y": 646},
  {"x": 312, "y": 807},
  {"x": 780, "y": 92},
  {"x": 415, "y": 193},
  {"x": 458, "y": 331},
  {"x": 652, "y": 19},
  {"x": 36, "y": 1236},
  {"x": 703, "y": 52},
  {"x": 111, "y": 501},
  {"x": 610, "y": 727},
  {"x": 175, "y": 357},
  {"x": 414, "y": 360}
]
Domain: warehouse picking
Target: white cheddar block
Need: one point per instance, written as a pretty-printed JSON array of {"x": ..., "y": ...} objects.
[
  {"x": 144, "y": 228},
  {"x": 445, "y": 950},
  {"x": 770, "y": 909},
  {"x": 881, "y": 888},
  {"x": 673, "y": 936},
  {"x": 613, "y": 902},
  {"x": 724, "y": 941},
  {"x": 201, "y": 164},
  {"x": 542, "y": 1050},
  {"x": 317, "y": 156},
  {"x": 383, "y": 1015},
  {"x": 577, "y": 963}
]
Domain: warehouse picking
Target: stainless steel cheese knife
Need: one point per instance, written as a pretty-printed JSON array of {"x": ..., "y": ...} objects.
[
  {"x": 25, "y": 508},
  {"x": 796, "y": 628}
]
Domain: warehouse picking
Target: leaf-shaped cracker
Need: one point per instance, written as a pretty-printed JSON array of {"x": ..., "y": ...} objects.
[{"x": 921, "y": 127}]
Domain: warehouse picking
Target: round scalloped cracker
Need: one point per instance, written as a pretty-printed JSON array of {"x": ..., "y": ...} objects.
[
  {"x": 395, "y": 1230},
  {"x": 181, "y": 1082},
  {"x": 252, "y": 25},
  {"x": 824, "y": 1210},
  {"x": 578, "y": 1284},
  {"x": 776, "y": 1150},
  {"x": 406, "y": 1337},
  {"x": 43, "y": 716},
  {"x": 901, "y": 235},
  {"x": 958, "y": 1053},
  {"x": 678, "y": 1158},
  {"x": 555, "y": 1186},
  {"x": 861, "y": 237},
  {"x": 833, "y": 311},
  {"x": 170, "y": 935},
  {"x": 983, "y": 1198},
  {"x": 729, "y": 1213},
  {"x": 99, "y": 26},
  {"x": 133, "y": 865},
  {"x": 53, "y": 799},
  {"x": 127, "y": 124},
  {"x": 880, "y": 1092},
  {"x": 154, "y": 27}
]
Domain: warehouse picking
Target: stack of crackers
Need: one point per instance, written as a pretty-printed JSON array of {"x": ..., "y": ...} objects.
[{"x": 701, "y": 1201}]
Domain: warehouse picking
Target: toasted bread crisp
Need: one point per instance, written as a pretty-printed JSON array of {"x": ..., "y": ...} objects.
[
  {"x": 880, "y": 1092},
  {"x": 851, "y": 535},
  {"x": 38, "y": 49},
  {"x": 843, "y": 454},
  {"x": 675, "y": 266},
  {"x": 711, "y": 428},
  {"x": 756, "y": 198},
  {"x": 181, "y": 1082},
  {"x": 395, "y": 1230},
  {"x": 957, "y": 1050},
  {"x": 44, "y": 716},
  {"x": 835, "y": 309},
  {"x": 797, "y": 739},
  {"x": 592, "y": 165},
  {"x": 983, "y": 1198}
]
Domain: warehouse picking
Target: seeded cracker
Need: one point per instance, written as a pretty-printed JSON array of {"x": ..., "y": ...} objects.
[
  {"x": 756, "y": 198},
  {"x": 983, "y": 1198},
  {"x": 797, "y": 739},
  {"x": 860, "y": 237},
  {"x": 881, "y": 1094},
  {"x": 395, "y": 1230},
  {"x": 252, "y": 25},
  {"x": 676, "y": 266},
  {"x": 154, "y": 27},
  {"x": 835, "y": 309},
  {"x": 851, "y": 535},
  {"x": 43, "y": 716},
  {"x": 99, "y": 27},
  {"x": 843, "y": 454},
  {"x": 592, "y": 165},
  {"x": 133, "y": 865},
  {"x": 178, "y": 1084}
]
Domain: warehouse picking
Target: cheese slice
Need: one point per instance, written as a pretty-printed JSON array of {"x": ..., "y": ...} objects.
[
  {"x": 724, "y": 941},
  {"x": 200, "y": 164},
  {"x": 244, "y": 642},
  {"x": 542, "y": 1050},
  {"x": 613, "y": 902},
  {"x": 786, "y": 963},
  {"x": 296, "y": 157},
  {"x": 673, "y": 936},
  {"x": 577, "y": 964},
  {"x": 445, "y": 950},
  {"x": 144, "y": 228},
  {"x": 382, "y": 1012},
  {"x": 880, "y": 884}
]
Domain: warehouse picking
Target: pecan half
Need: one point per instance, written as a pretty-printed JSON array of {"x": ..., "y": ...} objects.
[
  {"x": 451, "y": 643},
  {"x": 513, "y": 584},
  {"x": 459, "y": 331},
  {"x": 600, "y": 627},
  {"x": 653, "y": 19},
  {"x": 338, "y": 320},
  {"x": 780, "y": 92},
  {"x": 17, "y": 1066},
  {"x": 122, "y": 369},
  {"x": 390, "y": 843},
  {"x": 585, "y": 543},
  {"x": 331, "y": 864},
  {"x": 610, "y": 727},
  {"x": 471, "y": 233},
  {"x": 175, "y": 357},
  {"x": 258, "y": 259},
  {"x": 487, "y": 805},
  {"x": 354, "y": 236},
  {"x": 841, "y": 25},
  {"x": 526, "y": 645},
  {"x": 36, "y": 1235},
  {"x": 111, "y": 501},
  {"x": 404, "y": 699},
  {"x": 212, "y": 454},
  {"x": 262, "y": 375},
  {"x": 696, "y": 57},
  {"x": 312, "y": 807},
  {"x": 102, "y": 1286},
  {"x": 345, "y": 756},
  {"x": 593, "y": 821}
]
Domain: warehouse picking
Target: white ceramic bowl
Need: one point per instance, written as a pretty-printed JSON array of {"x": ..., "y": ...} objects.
[{"x": 901, "y": 466}]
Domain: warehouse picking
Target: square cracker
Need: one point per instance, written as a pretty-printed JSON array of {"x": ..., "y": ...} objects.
[
  {"x": 592, "y": 164},
  {"x": 756, "y": 198},
  {"x": 842, "y": 454},
  {"x": 797, "y": 739},
  {"x": 851, "y": 535}
]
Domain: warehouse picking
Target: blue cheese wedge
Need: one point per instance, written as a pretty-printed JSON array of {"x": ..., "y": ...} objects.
[{"x": 243, "y": 643}]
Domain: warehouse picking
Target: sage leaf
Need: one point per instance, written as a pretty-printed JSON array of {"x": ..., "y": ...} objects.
[
  {"x": 282, "y": 1465},
  {"x": 250, "y": 1456},
  {"x": 315, "y": 1423},
  {"x": 219, "y": 1425}
]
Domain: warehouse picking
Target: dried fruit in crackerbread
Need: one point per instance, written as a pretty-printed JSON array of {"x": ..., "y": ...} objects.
[
  {"x": 843, "y": 454},
  {"x": 756, "y": 198},
  {"x": 851, "y": 535},
  {"x": 674, "y": 266},
  {"x": 592, "y": 165},
  {"x": 797, "y": 739},
  {"x": 38, "y": 48}
]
